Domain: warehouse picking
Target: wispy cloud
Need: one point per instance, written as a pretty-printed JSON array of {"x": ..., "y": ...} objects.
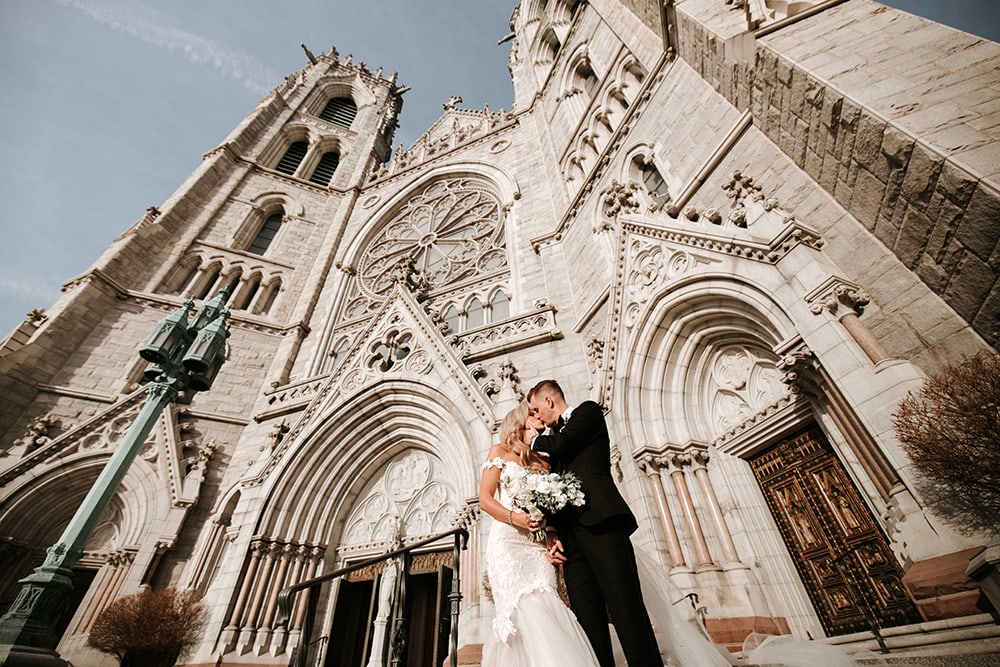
[
  {"x": 14, "y": 285},
  {"x": 160, "y": 29}
]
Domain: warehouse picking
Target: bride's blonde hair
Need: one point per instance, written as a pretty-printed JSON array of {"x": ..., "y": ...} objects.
[{"x": 511, "y": 438}]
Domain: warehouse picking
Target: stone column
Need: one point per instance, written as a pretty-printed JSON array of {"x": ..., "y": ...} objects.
[
  {"x": 651, "y": 466},
  {"x": 846, "y": 301},
  {"x": 248, "y": 578},
  {"x": 676, "y": 463},
  {"x": 725, "y": 537}
]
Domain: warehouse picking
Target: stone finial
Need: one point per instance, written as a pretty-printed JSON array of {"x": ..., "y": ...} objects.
[
  {"x": 37, "y": 433},
  {"x": 620, "y": 198},
  {"x": 36, "y": 316},
  {"x": 452, "y": 101}
]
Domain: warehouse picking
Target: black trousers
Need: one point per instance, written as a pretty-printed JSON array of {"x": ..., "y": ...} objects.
[{"x": 602, "y": 580}]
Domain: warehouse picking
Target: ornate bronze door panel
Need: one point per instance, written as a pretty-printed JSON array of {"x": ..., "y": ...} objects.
[{"x": 839, "y": 550}]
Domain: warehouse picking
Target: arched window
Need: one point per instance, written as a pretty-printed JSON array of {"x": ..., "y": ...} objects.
[
  {"x": 266, "y": 234},
  {"x": 266, "y": 301},
  {"x": 655, "y": 185},
  {"x": 325, "y": 168},
  {"x": 340, "y": 111},
  {"x": 499, "y": 307},
  {"x": 474, "y": 314},
  {"x": 549, "y": 48},
  {"x": 244, "y": 297},
  {"x": 451, "y": 320},
  {"x": 208, "y": 281},
  {"x": 292, "y": 158},
  {"x": 585, "y": 79}
]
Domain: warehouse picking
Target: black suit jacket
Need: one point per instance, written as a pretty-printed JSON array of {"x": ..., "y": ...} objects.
[{"x": 583, "y": 448}]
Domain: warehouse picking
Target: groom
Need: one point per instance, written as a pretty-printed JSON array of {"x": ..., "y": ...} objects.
[{"x": 593, "y": 541}]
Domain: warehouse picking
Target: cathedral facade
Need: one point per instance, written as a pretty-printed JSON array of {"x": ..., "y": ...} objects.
[{"x": 747, "y": 230}]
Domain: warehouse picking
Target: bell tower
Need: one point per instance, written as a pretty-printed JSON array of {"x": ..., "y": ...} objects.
[{"x": 261, "y": 218}]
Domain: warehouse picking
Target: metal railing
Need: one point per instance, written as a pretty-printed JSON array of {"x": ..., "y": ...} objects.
[{"x": 286, "y": 599}]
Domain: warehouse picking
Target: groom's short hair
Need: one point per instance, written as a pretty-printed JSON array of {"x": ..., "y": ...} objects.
[{"x": 546, "y": 387}]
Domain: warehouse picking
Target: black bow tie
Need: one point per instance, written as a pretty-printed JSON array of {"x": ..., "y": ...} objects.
[{"x": 558, "y": 425}]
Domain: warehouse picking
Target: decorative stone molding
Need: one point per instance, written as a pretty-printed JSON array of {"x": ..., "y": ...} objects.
[
  {"x": 399, "y": 341},
  {"x": 620, "y": 198},
  {"x": 512, "y": 334},
  {"x": 408, "y": 499},
  {"x": 839, "y": 297},
  {"x": 649, "y": 266},
  {"x": 798, "y": 365},
  {"x": 37, "y": 433},
  {"x": 36, "y": 316},
  {"x": 499, "y": 381}
]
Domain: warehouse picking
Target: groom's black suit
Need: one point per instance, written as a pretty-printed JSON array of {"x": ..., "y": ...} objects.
[{"x": 601, "y": 574}]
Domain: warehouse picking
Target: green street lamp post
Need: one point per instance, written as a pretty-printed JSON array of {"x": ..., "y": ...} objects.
[{"x": 184, "y": 355}]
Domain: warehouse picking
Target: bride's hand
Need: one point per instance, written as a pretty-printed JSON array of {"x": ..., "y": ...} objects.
[{"x": 524, "y": 520}]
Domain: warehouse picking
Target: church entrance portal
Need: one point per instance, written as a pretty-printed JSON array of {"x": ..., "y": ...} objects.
[
  {"x": 428, "y": 617},
  {"x": 841, "y": 555}
]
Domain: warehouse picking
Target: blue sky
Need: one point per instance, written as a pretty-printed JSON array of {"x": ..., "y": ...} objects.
[{"x": 108, "y": 105}]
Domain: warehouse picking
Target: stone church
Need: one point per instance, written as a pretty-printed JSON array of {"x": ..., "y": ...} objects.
[{"x": 747, "y": 229}]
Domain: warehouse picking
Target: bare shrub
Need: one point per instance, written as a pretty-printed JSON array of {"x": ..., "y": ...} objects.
[
  {"x": 150, "y": 628},
  {"x": 951, "y": 432}
]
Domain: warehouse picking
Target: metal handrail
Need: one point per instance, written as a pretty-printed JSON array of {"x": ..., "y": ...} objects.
[{"x": 286, "y": 597}]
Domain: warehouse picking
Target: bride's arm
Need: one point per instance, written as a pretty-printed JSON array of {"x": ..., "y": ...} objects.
[{"x": 487, "y": 496}]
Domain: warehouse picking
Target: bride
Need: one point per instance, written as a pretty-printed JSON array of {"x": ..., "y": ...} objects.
[{"x": 532, "y": 626}]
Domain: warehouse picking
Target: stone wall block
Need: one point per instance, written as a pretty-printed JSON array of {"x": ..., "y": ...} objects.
[
  {"x": 850, "y": 114},
  {"x": 913, "y": 234},
  {"x": 956, "y": 184},
  {"x": 799, "y": 141},
  {"x": 945, "y": 224},
  {"x": 893, "y": 207},
  {"x": 969, "y": 285},
  {"x": 868, "y": 146},
  {"x": 866, "y": 199},
  {"x": 886, "y": 230},
  {"x": 987, "y": 321},
  {"x": 798, "y": 88},
  {"x": 922, "y": 172},
  {"x": 814, "y": 164},
  {"x": 818, "y": 129},
  {"x": 829, "y": 171},
  {"x": 832, "y": 104},
  {"x": 896, "y": 147},
  {"x": 979, "y": 229},
  {"x": 783, "y": 73}
]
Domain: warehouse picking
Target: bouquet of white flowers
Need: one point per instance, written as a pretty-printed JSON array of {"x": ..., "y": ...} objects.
[{"x": 541, "y": 493}]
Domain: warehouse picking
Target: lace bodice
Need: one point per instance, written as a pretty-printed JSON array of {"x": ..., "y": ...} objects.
[
  {"x": 509, "y": 472},
  {"x": 515, "y": 564}
]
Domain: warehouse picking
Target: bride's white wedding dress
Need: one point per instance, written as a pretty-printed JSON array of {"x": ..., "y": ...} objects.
[{"x": 532, "y": 626}]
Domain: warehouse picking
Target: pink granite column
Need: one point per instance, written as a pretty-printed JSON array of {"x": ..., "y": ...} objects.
[
  {"x": 651, "y": 467},
  {"x": 687, "y": 504},
  {"x": 725, "y": 537}
]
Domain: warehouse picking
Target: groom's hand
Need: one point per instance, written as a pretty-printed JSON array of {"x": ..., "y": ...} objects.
[{"x": 554, "y": 551}]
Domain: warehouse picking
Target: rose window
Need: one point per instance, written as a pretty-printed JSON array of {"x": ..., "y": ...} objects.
[{"x": 450, "y": 231}]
